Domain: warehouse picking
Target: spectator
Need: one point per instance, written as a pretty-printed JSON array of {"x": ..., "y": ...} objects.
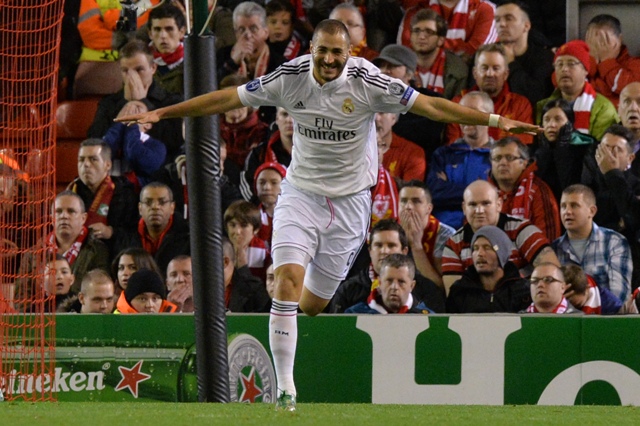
[
  {"x": 277, "y": 149},
  {"x": 399, "y": 61},
  {"x": 270, "y": 282},
  {"x": 530, "y": 65},
  {"x": 242, "y": 223},
  {"x": 453, "y": 167},
  {"x": 629, "y": 111},
  {"x": 250, "y": 57},
  {"x": 404, "y": 159},
  {"x": 612, "y": 67},
  {"x": 438, "y": 69},
  {"x": 492, "y": 283},
  {"x": 241, "y": 128},
  {"x": 71, "y": 239},
  {"x": 97, "y": 293},
  {"x": 470, "y": 24},
  {"x": 135, "y": 154},
  {"x": 351, "y": 17},
  {"x": 111, "y": 200},
  {"x": 58, "y": 279},
  {"x": 160, "y": 232},
  {"x": 481, "y": 206},
  {"x": 524, "y": 194},
  {"x": 180, "y": 283},
  {"x": 602, "y": 253},
  {"x": 284, "y": 39},
  {"x": 584, "y": 294},
  {"x": 547, "y": 291},
  {"x": 594, "y": 113},
  {"x": 491, "y": 71},
  {"x": 167, "y": 27},
  {"x": 561, "y": 149},
  {"x": 393, "y": 295},
  {"x": 427, "y": 235},
  {"x": 138, "y": 70},
  {"x": 129, "y": 261},
  {"x": 145, "y": 294},
  {"x": 387, "y": 237},
  {"x": 244, "y": 292},
  {"x": 268, "y": 178}
]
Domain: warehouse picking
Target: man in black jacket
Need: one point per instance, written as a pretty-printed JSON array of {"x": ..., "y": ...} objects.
[
  {"x": 244, "y": 292},
  {"x": 492, "y": 284},
  {"x": 387, "y": 237}
]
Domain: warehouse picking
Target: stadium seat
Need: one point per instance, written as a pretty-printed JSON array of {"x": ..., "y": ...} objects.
[
  {"x": 73, "y": 119},
  {"x": 97, "y": 79}
]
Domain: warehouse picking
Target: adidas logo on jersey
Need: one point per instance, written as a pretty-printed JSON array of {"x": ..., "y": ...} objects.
[{"x": 299, "y": 105}]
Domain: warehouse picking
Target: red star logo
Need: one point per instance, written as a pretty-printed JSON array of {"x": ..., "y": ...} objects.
[
  {"x": 250, "y": 391},
  {"x": 131, "y": 377}
]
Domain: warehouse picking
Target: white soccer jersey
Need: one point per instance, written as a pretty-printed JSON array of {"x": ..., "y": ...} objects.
[{"x": 334, "y": 140}]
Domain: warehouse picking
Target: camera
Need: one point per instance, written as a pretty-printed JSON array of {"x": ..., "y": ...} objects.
[{"x": 128, "y": 21}]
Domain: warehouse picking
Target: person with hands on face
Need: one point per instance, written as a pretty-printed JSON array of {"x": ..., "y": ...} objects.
[
  {"x": 427, "y": 235},
  {"x": 612, "y": 67},
  {"x": 180, "y": 283}
]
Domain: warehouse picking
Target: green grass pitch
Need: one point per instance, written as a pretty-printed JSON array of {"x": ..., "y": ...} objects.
[{"x": 158, "y": 414}]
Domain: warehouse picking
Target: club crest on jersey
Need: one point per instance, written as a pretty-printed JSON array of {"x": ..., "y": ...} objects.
[
  {"x": 253, "y": 85},
  {"x": 396, "y": 89},
  {"x": 347, "y": 106}
]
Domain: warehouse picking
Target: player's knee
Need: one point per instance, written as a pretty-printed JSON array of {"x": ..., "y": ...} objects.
[
  {"x": 311, "y": 310},
  {"x": 288, "y": 282}
]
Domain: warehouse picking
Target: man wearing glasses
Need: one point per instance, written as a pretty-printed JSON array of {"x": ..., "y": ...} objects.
[
  {"x": 547, "y": 291},
  {"x": 523, "y": 193},
  {"x": 438, "y": 69},
  {"x": 594, "y": 112},
  {"x": 160, "y": 232}
]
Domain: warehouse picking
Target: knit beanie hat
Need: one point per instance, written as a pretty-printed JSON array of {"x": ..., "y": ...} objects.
[
  {"x": 144, "y": 281},
  {"x": 499, "y": 241},
  {"x": 576, "y": 48}
]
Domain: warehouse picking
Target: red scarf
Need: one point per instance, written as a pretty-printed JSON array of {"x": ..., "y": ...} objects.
[
  {"x": 560, "y": 309},
  {"x": 582, "y": 108},
  {"x": 355, "y": 50},
  {"x": 430, "y": 236},
  {"x": 384, "y": 197},
  {"x": 375, "y": 302},
  {"x": 269, "y": 155},
  {"x": 148, "y": 244},
  {"x": 72, "y": 254},
  {"x": 266, "y": 229},
  {"x": 433, "y": 78},
  {"x": 593, "y": 305},
  {"x": 169, "y": 60},
  {"x": 293, "y": 48},
  {"x": 458, "y": 20},
  {"x": 261, "y": 65},
  {"x": 521, "y": 196},
  {"x": 99, "y": 209}
]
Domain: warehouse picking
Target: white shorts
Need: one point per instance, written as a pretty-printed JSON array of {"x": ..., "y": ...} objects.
[{"x": 329, "y": 231}]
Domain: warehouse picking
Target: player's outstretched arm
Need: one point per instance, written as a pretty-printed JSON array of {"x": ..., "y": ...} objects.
[
  {"x": 210, "y": 103},
  {"x": 440, "y": 109}
]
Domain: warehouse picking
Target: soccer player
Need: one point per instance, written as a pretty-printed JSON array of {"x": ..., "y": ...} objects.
[{"x": 323, "y": 211}]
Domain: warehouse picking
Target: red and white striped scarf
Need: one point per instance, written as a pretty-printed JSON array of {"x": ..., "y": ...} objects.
[
  {"x": 582, "y": 108},
  {"x": 293, "y": 48},
  {"x": 433, "y": 78},
  {"x": 169, "y": 60},
  {"x": 384, "y": 197},
  {"x": 521, "y": 200},
  {"x": 560, "y": 309},
  {"x": 261, "y": 65},
  {"x": 593, "y": 305},
  {"x": 72, "y": 254},
  {"x": 375, "y": 302},
  {"x": 458, "y": 20}
]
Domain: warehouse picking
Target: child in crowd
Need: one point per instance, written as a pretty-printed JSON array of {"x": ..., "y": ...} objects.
[
  {"x": 58, "y": 279},
  {"x": 242, "y": 223},
  {"x": 145, "y": 294},
  {"x": 283, "y": 38},
  {"x": 268, "y": 178}
]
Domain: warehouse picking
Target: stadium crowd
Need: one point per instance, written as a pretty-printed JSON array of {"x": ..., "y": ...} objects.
[{"x": 465, "y": 219}]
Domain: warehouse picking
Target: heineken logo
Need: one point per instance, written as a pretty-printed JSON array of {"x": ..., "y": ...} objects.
[
  {"x": 251, "y": 375},
  {"x": 60, "y": 382},
  {"x": 131, "y": 378}
]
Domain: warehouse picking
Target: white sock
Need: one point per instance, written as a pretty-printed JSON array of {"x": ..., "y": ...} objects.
[{"x": 283, "y": 338}]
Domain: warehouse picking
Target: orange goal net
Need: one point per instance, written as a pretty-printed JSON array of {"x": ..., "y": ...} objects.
[{"x": 29, "y": 46}]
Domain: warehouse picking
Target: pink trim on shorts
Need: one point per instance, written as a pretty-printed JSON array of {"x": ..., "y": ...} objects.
[{"x": 330, "y": 204}]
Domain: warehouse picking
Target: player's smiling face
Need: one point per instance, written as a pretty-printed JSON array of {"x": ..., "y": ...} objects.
[{"x": 330, "y": 53}]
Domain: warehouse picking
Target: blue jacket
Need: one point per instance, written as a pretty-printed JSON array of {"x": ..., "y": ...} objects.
[{"x": 462, "y": 165}]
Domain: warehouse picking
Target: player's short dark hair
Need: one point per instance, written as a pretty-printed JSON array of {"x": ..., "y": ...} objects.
[
  {"x": 105, "y": 152},
  {"x": 621, "y": 131},
  {"x": 390, "y": 225},
  {"x": 508, "y": 140},
  {"x": 244, "y": 212},
  {"x": 399, "y": 260},
  {"x": 605, "y": 20},
  {"x": 415, "y": 183},
  {"x": 564, "y": 105},
  {"x": 431, "y": 15},
  {"x": 332, "y": 27},
  {"x": 168, "y": 11}
]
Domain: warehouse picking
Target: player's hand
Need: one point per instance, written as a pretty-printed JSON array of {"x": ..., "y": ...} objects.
[
  {"x": 515, "y": 126},
  {"x": 143, "y": 118}
]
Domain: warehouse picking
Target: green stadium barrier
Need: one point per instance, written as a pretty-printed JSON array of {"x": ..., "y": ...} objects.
[{"x": 408, "y": 359}]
